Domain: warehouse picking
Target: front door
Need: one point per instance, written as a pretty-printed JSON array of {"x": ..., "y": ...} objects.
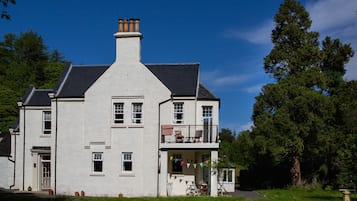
[{"x": 45, "y": 172}]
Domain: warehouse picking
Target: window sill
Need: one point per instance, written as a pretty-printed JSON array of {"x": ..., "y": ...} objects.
[
  {"x": 136, "y": 126},
  {"x": 118, "y": 126},
  {"x": 97, "y": 174},
  {"x": 129, "y": 174},
  {"x": 127, "y": 126},
  {"x": 45, "y": 135}
]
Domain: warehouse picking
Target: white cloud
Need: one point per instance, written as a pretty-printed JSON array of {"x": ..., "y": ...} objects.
[
  {"x": 217, "y": 79},
  {"x": 338, "y": 19},
  {"x": 255, "y": 89},
  {"x": 246, "y": 126},
  {"x": 257, "y": 35},
  {"x": 328, "y": 15}
]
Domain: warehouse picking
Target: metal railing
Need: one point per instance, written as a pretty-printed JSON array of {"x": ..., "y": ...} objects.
[{"x": 178, "y": 133}]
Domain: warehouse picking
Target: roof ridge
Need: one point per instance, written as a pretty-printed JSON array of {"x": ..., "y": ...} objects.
[
  {"x": 30, "y": 95},
  {"x": 64, "y": 79}
]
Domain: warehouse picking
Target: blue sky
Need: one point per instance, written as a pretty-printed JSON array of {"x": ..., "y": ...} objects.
[{"x": 229, "y": 38}]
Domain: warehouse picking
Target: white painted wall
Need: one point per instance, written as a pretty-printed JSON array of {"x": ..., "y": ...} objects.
[
  {"x": 89, "y": 128},
  {"x": 6, "y": 175},
  {"x": 31, "y": 128}
]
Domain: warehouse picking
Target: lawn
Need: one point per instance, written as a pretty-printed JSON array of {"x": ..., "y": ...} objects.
[{"x": 269, "y": 195}]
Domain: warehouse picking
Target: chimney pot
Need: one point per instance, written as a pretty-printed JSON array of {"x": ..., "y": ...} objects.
[
  {"x": 126, "y": 25},
  {"x": 120, "y": 25},
  {"x": 131, "y": 25},
  {"x": 137, "y": 21}
]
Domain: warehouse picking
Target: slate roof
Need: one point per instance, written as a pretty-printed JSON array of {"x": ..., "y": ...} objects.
[
  {"x": 79, "y": 79},
  {"x": 37, "y": 97},
  {"x": 5, "y": 144},
  {"x": 180, "y": 79},
  {"x": 205, "y": 94}
]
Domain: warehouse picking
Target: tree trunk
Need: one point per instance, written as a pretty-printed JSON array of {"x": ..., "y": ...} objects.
[{"x": 296, "y": 172}]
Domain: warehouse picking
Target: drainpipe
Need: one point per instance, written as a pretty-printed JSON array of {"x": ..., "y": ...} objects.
[
  {"x": 158, "y": 146},
  {"x": 55, "y": 187},
  {"x": 23, "y": 152}
]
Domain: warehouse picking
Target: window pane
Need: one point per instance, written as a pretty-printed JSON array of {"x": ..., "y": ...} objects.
[
  {"x": 97, "y": 158},
  {"x": 98, "y": 166},
  {"x": 178, "y": 113},
  {"x": 230, "y": 172},
  {"x": 176, "y": 163},
  {"x": 127, "y": 163},
  {"x": 46, "y": 125},
  {"x": 119, "y": 113},
  {"x": 127, "y": 166},
  {"x": 224, "y": 175},
  {"x": 137, "y": 113}
]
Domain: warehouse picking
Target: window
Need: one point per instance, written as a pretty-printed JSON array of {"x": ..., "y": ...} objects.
[
  {"x": 227, "y": 175},
  {"x": 97, "y": 162},
  {"x": 178, "y": 113},
  {"x": 137, "y": 113},
  {"x": 207, "y": 112},
  {"x": 177, "y": 163},
  {"x": 127, "y": 162},
  {"x": 46, "y": 116},
  {"x": 118, "y": 113}
]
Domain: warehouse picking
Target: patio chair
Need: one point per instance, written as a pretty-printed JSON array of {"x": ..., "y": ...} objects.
[
  {"x": 198, "y": 136},
  {"x": 179, "y": 137}
]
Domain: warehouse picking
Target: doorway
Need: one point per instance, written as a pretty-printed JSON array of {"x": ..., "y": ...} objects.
[{"x": 45, "y": 172}]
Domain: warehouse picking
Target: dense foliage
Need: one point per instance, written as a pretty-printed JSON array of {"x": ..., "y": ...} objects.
[
  {"x": 305, "y": 122},
  {"x": 4, "y": 4},
  {"x": 24, "y": 61}
]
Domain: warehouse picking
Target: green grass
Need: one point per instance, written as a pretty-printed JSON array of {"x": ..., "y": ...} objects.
[
  {"x": 269, "y": 195},
  {"x": 303, "y": 195}
]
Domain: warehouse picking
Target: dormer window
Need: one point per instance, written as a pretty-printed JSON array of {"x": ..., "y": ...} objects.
[{"x": 178, "y": 113}]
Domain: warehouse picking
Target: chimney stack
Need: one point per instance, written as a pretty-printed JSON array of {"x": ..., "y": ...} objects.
[{"x": 128, "y": 40}]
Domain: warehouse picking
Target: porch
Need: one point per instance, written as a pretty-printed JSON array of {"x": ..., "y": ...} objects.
[{"x": 188, "y": 172}]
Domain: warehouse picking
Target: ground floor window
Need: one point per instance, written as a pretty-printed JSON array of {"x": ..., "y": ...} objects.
[
  {"x": 227, "y": 175},
  {"x": 97, "y": 162},
  {"x": 127, "y": 161}
]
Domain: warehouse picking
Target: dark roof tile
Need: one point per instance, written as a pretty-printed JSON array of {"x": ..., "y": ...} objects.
[
  {"x": 181, "y": 79},
  {"x": 79, "y": 79},
  {"x": 205, "y": 94}
]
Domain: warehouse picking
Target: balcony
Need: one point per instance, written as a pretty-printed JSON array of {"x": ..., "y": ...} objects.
[{"x": 186, "y": 136}]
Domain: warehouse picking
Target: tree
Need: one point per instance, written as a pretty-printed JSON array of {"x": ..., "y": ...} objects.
[
  {"x": 5, "y": 4},
  {"x": 295, "y": 117},
  {"x": 295, "y": 48},
  {"x": 24, "y": 61}
]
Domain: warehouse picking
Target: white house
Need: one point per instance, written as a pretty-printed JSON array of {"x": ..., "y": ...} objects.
[{"x": 126, "y": 128}]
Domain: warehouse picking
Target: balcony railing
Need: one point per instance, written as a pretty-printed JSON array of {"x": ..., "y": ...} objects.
[{"x": 189, "y": 133}]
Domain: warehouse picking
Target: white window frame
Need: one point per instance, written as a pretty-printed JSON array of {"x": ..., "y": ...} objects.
[
  {"x": 207, "y": 112},
  {"x": 118, "y": 109},
  {"x": 137, "y": 110},
  {"x": 178, "y": 111},
  {"x": 46, "y": 117},
  {"x": 127, "y": 157},
  {"x": 227, "y": 175},
  {"x": 97, "y": 157}
]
